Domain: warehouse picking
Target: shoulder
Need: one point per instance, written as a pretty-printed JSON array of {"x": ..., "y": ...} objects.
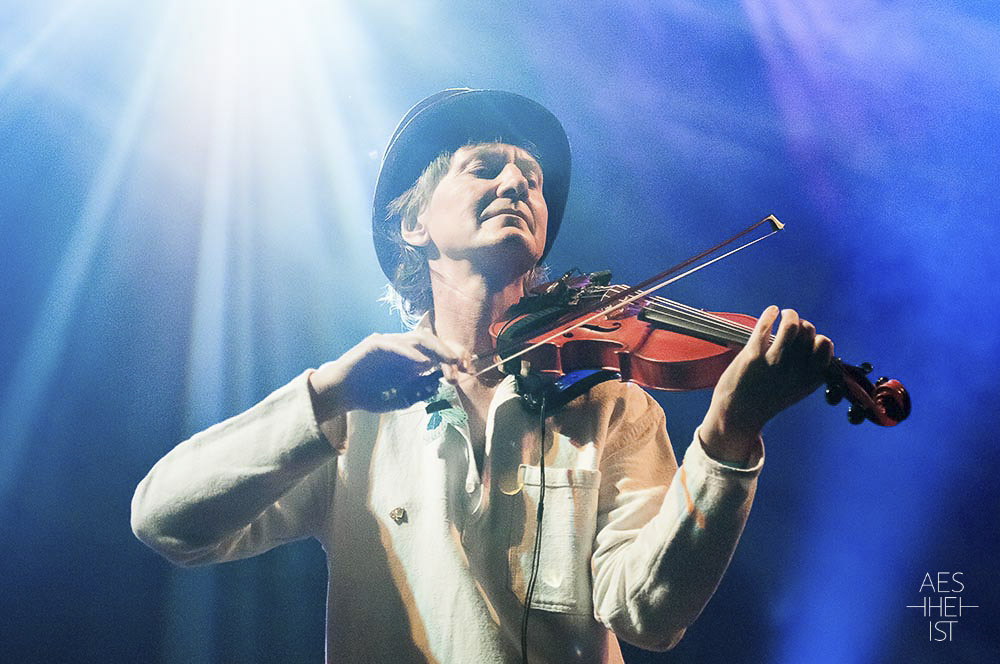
[
  {"x": 622, "y": 399},
  {"x": 615, "y": 407}
]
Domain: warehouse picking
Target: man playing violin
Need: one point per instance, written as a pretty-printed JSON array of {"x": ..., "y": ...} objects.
[{"x": 428, "y": 514}]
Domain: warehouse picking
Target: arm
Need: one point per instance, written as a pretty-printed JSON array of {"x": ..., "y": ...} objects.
[
  {"x": 661, "y": 551},
  {"x": 265, "y": 476},
  {"x": 242, "y": 486},
  {"x": 665, "y": 535}
]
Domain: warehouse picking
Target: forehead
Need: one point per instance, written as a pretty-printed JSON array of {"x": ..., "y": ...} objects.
[{"x": 496, "y": 151}]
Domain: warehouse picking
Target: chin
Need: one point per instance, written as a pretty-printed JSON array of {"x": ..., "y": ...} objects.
[
  {"x": 512, "y": 258},
  {"x": 522, "y": 249}
]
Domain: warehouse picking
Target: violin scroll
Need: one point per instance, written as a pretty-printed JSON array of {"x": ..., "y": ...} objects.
[{"x": 886, "y": 402}]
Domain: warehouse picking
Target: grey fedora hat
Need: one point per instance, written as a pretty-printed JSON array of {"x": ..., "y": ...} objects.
[{"x": 447, "y": 120}]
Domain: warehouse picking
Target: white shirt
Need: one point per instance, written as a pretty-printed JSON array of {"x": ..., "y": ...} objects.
[{"x": 428, "y": 559}]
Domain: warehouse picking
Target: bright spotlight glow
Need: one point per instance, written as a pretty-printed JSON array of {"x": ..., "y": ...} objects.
[{"x": 264, "y": 108}]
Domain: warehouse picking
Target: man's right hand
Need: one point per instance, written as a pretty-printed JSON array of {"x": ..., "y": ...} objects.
[{"x": 384, "y": 372}]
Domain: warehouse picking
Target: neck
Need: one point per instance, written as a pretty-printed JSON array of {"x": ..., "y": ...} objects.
[{"x": 466, "y": 303}]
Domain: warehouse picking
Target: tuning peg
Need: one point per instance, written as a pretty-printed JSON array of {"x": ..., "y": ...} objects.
[
  {"x": 866, "y": 367},
  {"x": 834, "y": 395},
  {"x": 882, "y": 381},
  {"x": 855, "y": 415}
]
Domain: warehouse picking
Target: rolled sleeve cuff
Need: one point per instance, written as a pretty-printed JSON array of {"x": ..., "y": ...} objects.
[
  {"x": 755, "y": 462},
  {"x": 334, "y": 430}
]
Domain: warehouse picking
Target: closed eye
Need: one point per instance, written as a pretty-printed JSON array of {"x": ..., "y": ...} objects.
[
  {"x": 490, "y": 171},
  {"x": 488, "y": 164},
  {"x": 485, "y": 171}
]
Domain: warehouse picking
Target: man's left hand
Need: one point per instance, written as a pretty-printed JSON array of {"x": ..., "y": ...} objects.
[{"x": 762, "y": 380}]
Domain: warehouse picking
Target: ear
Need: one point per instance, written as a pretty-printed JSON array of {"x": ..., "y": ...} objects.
[{"x": 416, "y": 232}]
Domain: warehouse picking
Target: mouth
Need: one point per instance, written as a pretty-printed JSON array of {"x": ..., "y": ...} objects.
[{"x": 512, "y": 213}]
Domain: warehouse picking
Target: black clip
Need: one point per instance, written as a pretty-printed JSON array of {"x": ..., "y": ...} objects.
[{"x": 534, "y": 388}]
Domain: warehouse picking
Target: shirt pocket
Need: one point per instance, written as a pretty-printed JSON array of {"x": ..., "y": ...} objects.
[{"x": 569, "y": 523}]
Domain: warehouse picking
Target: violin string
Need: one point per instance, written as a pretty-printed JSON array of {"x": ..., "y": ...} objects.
[
  {"x": 603, "y": 312},
  {"x": 693, "y": 319},
  {"x": 685, "y": 314},
  {"x": 698, "y": 319},
  {"x": 739, "y": 333}
]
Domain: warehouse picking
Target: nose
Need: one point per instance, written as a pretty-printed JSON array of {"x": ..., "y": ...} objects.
[{"x": 512, "y": 183}]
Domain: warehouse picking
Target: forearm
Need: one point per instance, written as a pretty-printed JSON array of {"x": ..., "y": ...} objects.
[
  {"x": 731, "y": 445},
  {"x": 657, "y": 567},
  {"x": 215, "y": 484}
]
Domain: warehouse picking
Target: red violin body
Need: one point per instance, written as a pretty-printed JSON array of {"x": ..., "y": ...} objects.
[{"x": 640, "y": 351}]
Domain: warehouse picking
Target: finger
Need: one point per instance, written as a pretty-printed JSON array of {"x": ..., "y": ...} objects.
[
  {"x": 802, "y": 345},
  {"x": 413, "y": 354},
  {"x": 407, "y": 346},
  {"x": 466, "y": 363},
  {"x": 761, "y": 334},
  {"x": 437, "y": 348},
  {"x": 788, "y": 329},
  {"x": 449, "y": 373},
  {"x": 822, "y": 351}
]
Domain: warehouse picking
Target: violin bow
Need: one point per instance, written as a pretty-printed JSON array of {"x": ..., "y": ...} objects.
[{"x": 645, "y": 288}]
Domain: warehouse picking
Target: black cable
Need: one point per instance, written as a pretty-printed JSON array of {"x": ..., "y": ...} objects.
[{"x": 536, "y": 553}]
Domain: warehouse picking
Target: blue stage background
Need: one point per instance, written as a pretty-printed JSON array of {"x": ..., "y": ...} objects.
[{"x": 184, "y": 226}]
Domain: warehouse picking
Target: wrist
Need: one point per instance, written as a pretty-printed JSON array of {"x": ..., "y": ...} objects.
[
  {"x": 727, "y": 443},
  {"x": 326, "y": 393}
]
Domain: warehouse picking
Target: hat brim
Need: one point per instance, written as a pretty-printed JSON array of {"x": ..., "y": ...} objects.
[{"x": 452, "y": 118}]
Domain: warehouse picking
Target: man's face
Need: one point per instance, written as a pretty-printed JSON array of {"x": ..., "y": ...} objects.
[{"x": 489, "y": 207}]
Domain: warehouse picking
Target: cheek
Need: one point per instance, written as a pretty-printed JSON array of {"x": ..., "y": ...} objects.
[
  {"x": 542, "y": 220},
  {"x": 449, "y": 203},
  {"x": 436, "y": 211}
]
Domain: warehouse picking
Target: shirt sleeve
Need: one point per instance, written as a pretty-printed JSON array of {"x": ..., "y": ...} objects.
[
  {"x": 242, "y": 486},
  {"x": 665, "y": 534}
]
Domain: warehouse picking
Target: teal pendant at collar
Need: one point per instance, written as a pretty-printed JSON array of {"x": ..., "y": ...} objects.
[{"x": 452, "y": 414}]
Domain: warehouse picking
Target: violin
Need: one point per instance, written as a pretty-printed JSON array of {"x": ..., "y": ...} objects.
[{"x": 566, "y": 335}]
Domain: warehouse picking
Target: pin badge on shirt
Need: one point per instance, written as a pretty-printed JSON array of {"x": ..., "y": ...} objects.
[{"x": 398, "y": 515}]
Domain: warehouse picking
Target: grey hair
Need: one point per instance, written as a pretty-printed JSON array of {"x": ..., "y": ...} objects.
[{"x": 409, "y": 292}]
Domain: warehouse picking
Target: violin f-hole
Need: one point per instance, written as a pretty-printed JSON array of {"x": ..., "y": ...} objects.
[{"x": 606, "y": 328}]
